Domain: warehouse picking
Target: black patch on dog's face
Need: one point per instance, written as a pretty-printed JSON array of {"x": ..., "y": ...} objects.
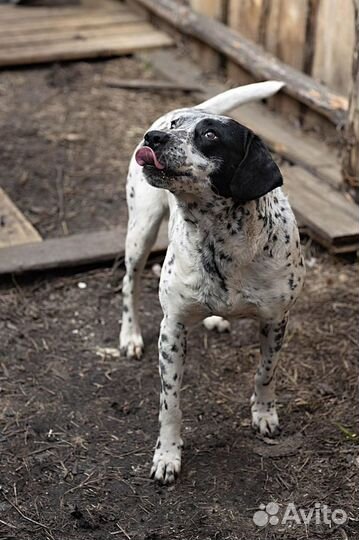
[{"x": 246, "y": 170}]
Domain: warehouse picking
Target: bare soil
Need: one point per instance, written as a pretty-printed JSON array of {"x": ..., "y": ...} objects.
[
  {"x": 77, "y": 428},
  {"x": 66, "y": 139}
]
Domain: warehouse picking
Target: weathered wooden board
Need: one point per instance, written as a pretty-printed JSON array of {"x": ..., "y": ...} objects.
[
  {"x": 286, "y": 30},
  {"x": 14, "y": 227},
  {"x": 285, "y": 37},
  {"x": 325, "y": 211},
  {"x": 211, "y": 8},
  {"x": 38, "y": 35},
  {"x": 209, "y": 59},
  {"x": 334, "y": 44},
  {"x": 112, "y": 45},
  {"x": 246, "y": 17},
  {"x": 14, "y": 14},
  {"x": 70, "y": 251},
  {"x": 76, "y": 35},
  {"x": 58, "y": 24}
]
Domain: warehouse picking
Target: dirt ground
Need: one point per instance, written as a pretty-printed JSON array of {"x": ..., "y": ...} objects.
[
  {"x": 77, "y": 428},
  {"x": 66, "y": 139}
]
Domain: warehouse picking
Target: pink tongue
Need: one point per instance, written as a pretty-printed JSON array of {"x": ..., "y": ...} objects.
[{"x": 146, "y": 156}]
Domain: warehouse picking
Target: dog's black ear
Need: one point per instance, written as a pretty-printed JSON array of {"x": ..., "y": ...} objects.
[{"x": 257, "y": 173}]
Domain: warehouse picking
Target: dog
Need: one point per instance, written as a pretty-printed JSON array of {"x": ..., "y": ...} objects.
[{"x": 234, "y": 249}]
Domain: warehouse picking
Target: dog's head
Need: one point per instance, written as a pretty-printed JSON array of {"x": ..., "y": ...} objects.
[{"x": 195, "y": 152}]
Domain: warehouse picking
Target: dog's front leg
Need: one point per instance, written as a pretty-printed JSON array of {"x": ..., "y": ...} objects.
[
  {"x": 146, "y": 209},
  {"x": 172, "y": 350},
  {"x": 264, "y": 414}
]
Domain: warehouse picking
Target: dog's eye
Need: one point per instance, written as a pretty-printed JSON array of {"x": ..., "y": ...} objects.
[
  {"x": 173, "y": 124},
  {"x": 210, "y": 135}
]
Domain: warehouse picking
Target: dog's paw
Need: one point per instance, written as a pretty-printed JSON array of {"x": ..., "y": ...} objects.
[
  {"x": 166, "y": 463},
  {"x": 265, "y": 419},
  {"x": 217, "y": 323},
  {"x": 131, "y": 346}
]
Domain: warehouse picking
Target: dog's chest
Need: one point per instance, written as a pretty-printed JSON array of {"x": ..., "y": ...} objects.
[
  {"x": 229, "y": 267},
  {"x": 208, "y": 267}
]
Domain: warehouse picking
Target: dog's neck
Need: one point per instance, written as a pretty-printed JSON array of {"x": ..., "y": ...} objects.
[
  {"x": 222, "y": 215},
  {"x": 223, "y": 226}
]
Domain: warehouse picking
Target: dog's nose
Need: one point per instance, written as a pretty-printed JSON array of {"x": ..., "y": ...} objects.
[{"x": 154, "y": 138}]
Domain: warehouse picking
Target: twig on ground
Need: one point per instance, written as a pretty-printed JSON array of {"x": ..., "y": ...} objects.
[{"x": 121, "y": 530}]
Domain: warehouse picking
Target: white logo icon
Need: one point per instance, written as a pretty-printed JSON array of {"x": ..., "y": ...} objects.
[{"x": 267, "y": 514}]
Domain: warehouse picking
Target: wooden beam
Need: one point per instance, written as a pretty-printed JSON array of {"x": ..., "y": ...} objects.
[
  {"x": 69, "y": 251},
  {"x": 252, "y": 57}
]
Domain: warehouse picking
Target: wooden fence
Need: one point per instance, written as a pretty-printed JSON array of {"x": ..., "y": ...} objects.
[{"x": 314, "y": 36}]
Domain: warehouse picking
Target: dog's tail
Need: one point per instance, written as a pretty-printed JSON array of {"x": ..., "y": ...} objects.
[{"x": 226, "y": 101}]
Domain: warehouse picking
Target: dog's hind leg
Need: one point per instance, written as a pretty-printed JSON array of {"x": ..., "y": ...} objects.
[
  {"x": 264, "y": 414},
  {"x": 146, "y": 206}
]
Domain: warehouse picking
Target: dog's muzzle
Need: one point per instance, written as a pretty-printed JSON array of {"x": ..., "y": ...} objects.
[
  {"x": 146, "y": 156},
  {"x": 154, "y": 142}
]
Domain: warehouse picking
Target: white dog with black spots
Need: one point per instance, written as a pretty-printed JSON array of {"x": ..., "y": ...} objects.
[{"x": 234, "y": 249}]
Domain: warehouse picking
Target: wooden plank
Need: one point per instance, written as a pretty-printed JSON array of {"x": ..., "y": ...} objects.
[
  {"x": 59, "y": 35},
  {"x": 75, "y": 250},
  {"x": 252, "y": 57},
  {"x": 286, "y": 31},
  {"x": 334, "y": 44},
  {"x": 325, "y": 211},
  {"x": 15, "y": 229},
  {"x": 285, "y": 37},
  {"x": 92, "y": 48},
  {"x": 285, "y": 139},
  {"x": 56, "y": 23},
  {"x": 211, "y": 8},
  {"x": 246, "y": 17},
  {"x": 16, "y": 13},
  {"x": 209, "y": 59}
]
